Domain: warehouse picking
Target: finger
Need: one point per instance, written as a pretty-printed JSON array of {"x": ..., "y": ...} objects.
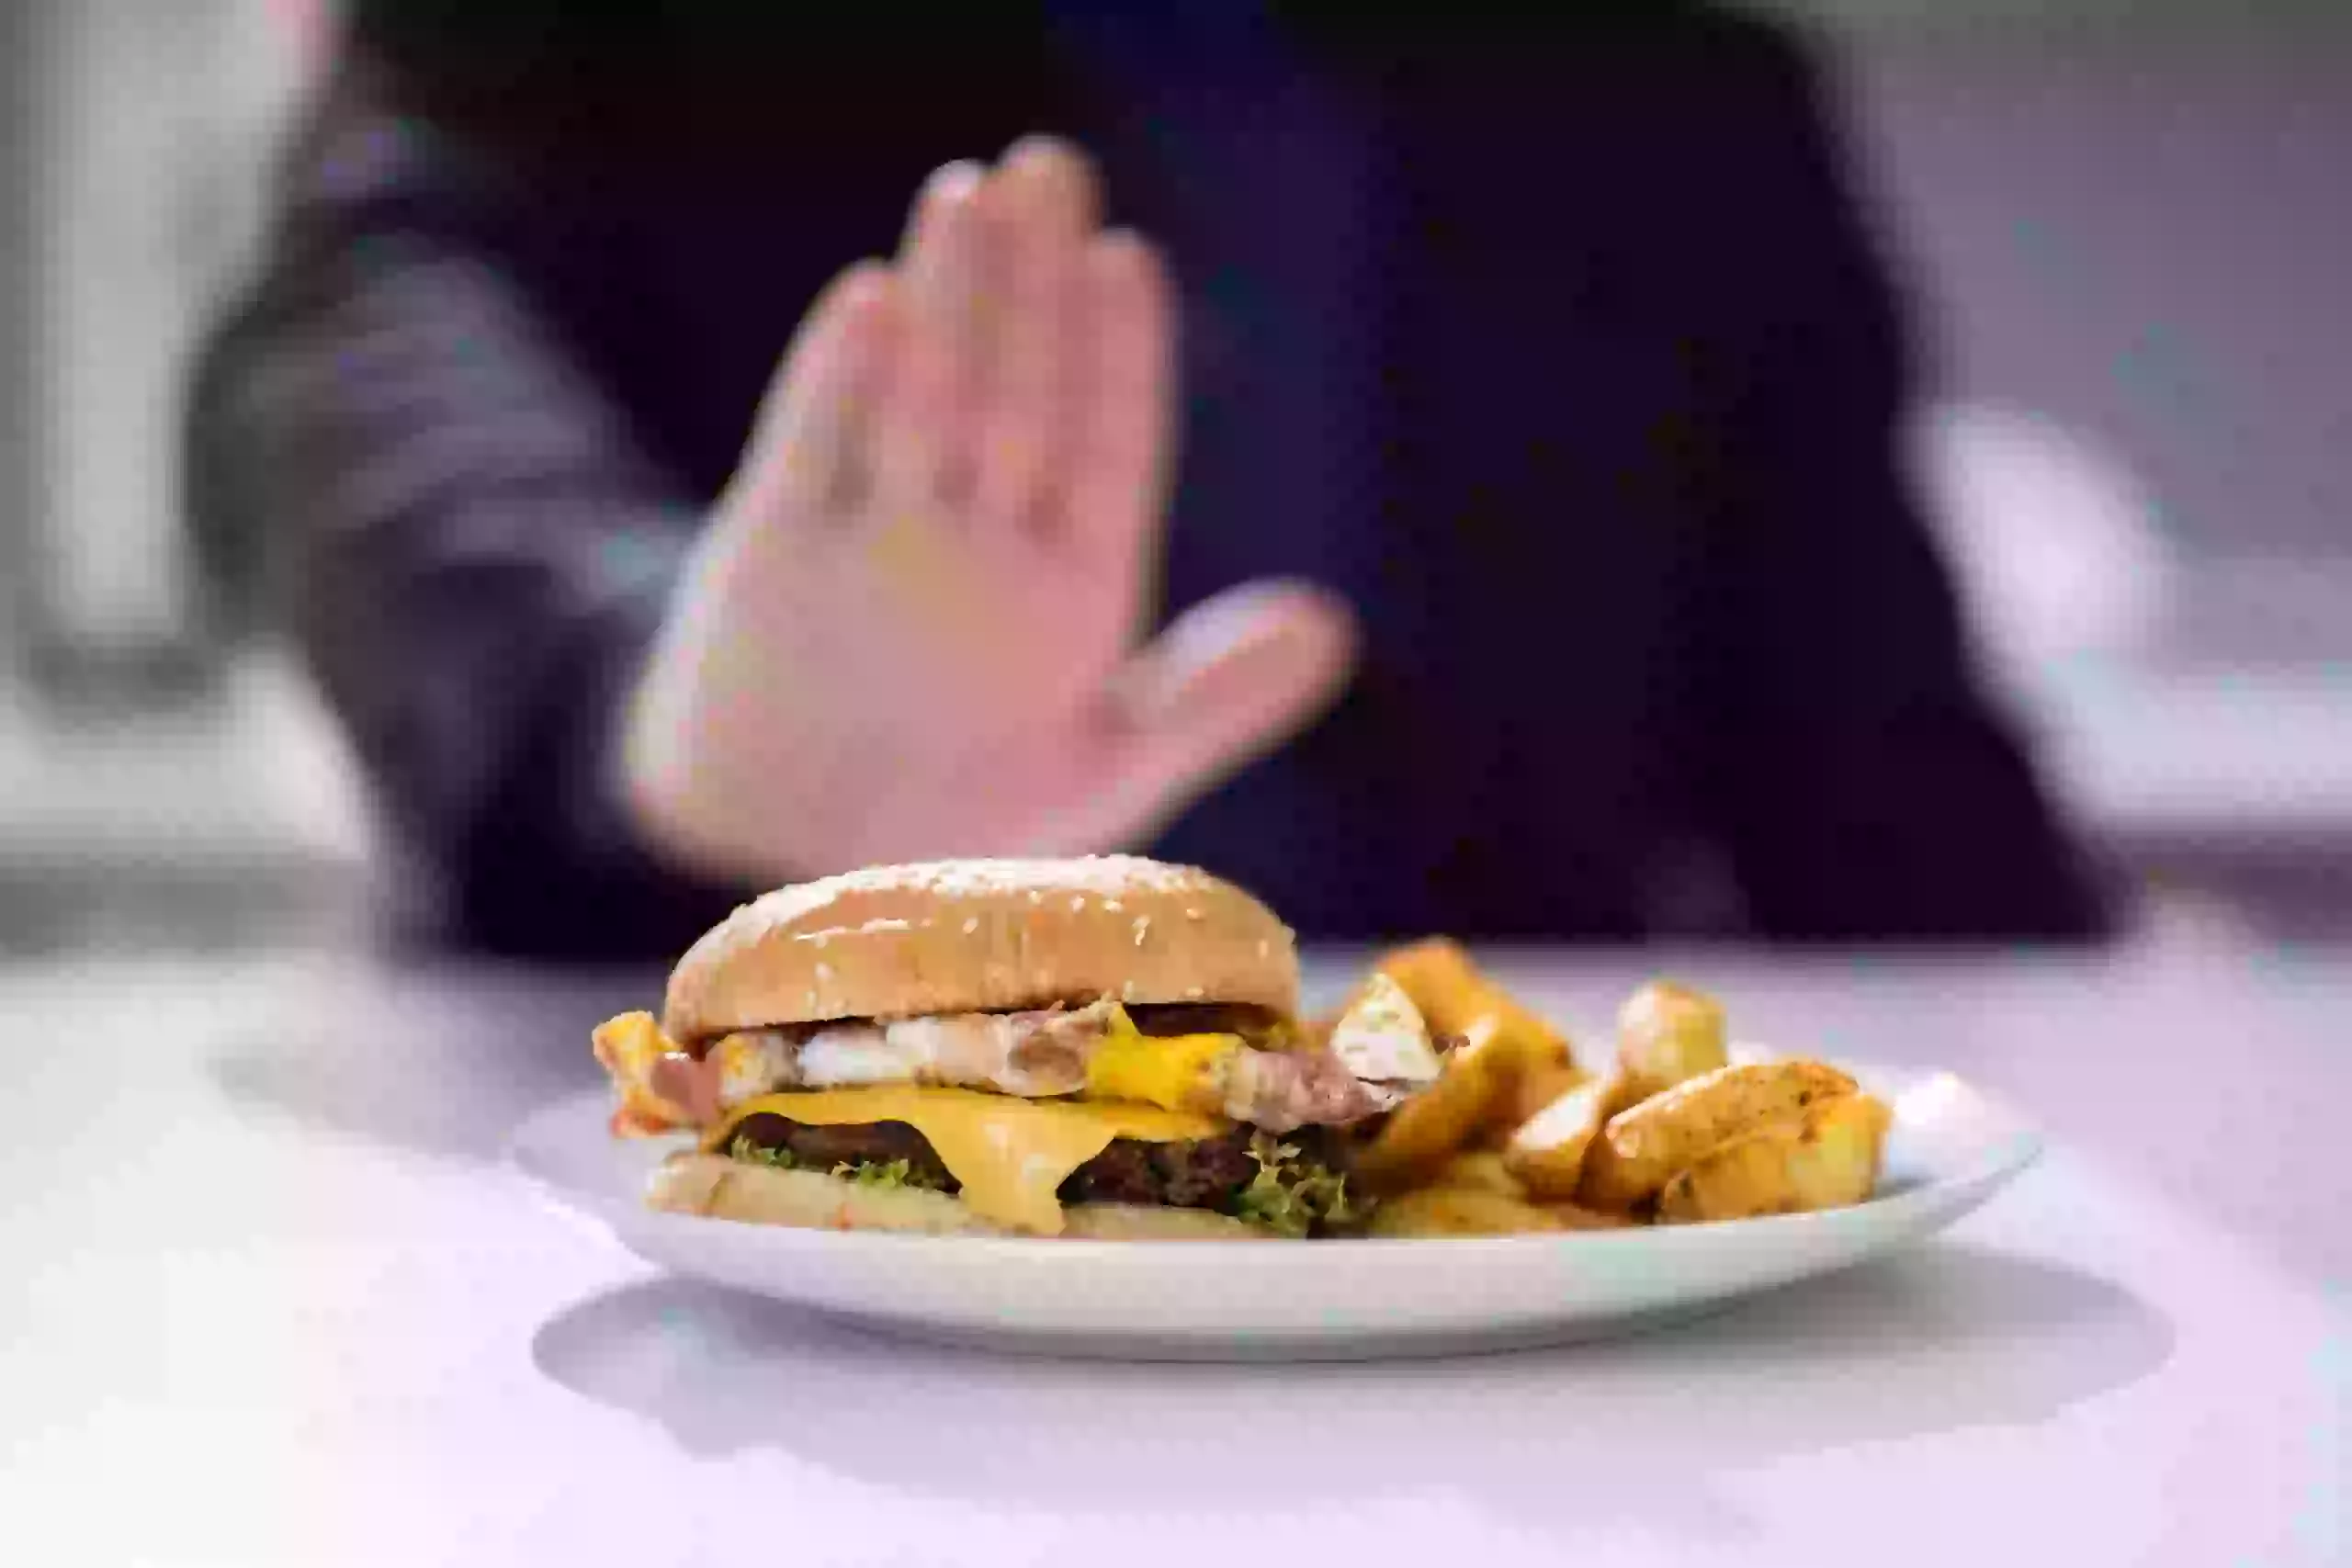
[
  {"x": 1116, "y": 494},
  {"x": 1048, "y": 198},
  {"x": 808, "y": 447},
  {"x": 1232, "y": 679},
  {"x": 946, "y": 262},
  {"x": 925, "y": 432},
  {"x": 939, "y": 222}
]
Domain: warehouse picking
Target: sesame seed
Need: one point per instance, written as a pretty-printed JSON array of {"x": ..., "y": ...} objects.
[
  {"x": 1193, "y": 914},
  {"x": 1036, "y": 896},
  {"x": 824, "y": 973},
  {"x": 971, "y": 924},
  {"x": 1127, "y": 992},
  {"x": 1112, "y": 905},
  {"x": 809, "y": 1000},
  {"x": 1264, "y": 947},
  {"x": 819, "y": 940},
  {"x": 1192, "y": 993},
  {"x": 1078, "y": 903},
  {"x": 1143, "y": 924}
]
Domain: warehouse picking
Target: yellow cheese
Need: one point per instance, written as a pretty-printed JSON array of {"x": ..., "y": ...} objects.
[
  {"x": 628, "y": 1046},
  {"x": 1176, "y": 1072},
  {"x": 1011, "y": 1154}
]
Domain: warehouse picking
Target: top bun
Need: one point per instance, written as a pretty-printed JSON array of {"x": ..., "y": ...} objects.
[{"x": 982, "y": 936}]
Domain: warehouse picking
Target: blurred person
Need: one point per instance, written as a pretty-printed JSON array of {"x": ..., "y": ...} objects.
[{"x": 1527, "y": 548}]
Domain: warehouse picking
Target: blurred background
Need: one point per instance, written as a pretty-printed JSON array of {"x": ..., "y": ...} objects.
[{"x": 2130, "y": 225}]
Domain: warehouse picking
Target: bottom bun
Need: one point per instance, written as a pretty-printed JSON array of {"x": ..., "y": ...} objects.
[
  {"x": 1150, "y": 1222},
  {"x": 723, "y": 1189}
]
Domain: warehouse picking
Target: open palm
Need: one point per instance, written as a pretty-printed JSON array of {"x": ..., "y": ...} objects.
[{"x": 911, "y": 630}]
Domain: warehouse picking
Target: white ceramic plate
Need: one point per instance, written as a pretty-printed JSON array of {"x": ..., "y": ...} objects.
[{"x": 1950, "y": 1148}]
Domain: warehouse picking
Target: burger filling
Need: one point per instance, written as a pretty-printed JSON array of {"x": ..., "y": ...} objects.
[
  {"x": 1020, "y": 1113},
  {"x": 1295, "y": 1186},
  {"x": 1232, "y": 1061}
]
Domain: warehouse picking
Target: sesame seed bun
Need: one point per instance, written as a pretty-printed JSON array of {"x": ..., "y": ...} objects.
[{"x": 982, "y": 936}]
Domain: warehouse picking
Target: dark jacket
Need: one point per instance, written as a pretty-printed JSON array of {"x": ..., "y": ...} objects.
[{"x": 1563, "y": 350}]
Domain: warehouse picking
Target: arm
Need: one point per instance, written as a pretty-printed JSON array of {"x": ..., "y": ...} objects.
[
  {"x": 907, "y": 627},
  {"x": 459, "y": 531},
  {"x": 1863, "y": 782}
]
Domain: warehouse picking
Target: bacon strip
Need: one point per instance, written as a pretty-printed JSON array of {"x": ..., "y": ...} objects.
[
  {"x": 691, "y": 1085},
  {"x": 1280, "y": 1090}
]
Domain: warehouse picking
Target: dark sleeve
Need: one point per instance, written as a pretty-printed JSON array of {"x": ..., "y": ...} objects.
[
  {"x": 1864, "y": 784},
  {"x": 453, "y": 520}
]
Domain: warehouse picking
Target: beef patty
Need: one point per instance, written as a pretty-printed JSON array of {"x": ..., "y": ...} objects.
[{"x": 1206, "y": 1173}]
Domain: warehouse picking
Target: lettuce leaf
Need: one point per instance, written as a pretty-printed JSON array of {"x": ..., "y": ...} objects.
[
  {"x": 1291, "y": 1195},
  {"x": 865, "y": 1172},
  {"x": 750, "y": 1152},
  {"x": 879, "y": 1173}
]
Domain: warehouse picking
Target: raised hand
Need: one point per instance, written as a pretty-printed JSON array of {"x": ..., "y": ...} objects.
[{"x": 911, "y": 629}]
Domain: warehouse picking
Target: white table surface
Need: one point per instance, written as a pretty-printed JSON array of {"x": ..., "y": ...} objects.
[{"x": 271, "y": 1301}]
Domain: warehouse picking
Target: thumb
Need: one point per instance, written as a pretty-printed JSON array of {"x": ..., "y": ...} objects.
[{"x": 1229, "y": 681}]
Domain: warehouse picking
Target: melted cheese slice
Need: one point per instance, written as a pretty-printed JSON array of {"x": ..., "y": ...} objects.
[
  {"x": 1175, "y": 1072},
  {"x": 1011, "y": 1154}
]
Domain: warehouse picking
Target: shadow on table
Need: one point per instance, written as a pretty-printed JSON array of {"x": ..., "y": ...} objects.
[
  {"x": 1950, "y": 1337},
  {"x": 445, "y": 1060}
]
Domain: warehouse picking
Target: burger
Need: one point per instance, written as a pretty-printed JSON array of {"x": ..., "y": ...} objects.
[{"x": 1106, "y": 1047}]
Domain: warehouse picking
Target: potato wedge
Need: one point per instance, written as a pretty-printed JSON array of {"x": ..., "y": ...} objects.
[
  {"x": 1429, "y": 1128},
  {"x": 1737, "y": 1180},
  {"x": 1449, "y": 1210},
  {"x": 1575, "y": 1217},
  {"x": 1480, "y": 1171},
  {"x": 1841, "y": 1150},
  {"x": 1381, "y": 1036},
  {"x": 1546, "y": 1154},
  {"x": 1668, "y": 1034},
  {"x": 1640, "y": 1147},
  {"x": 1538, "y": 1085},
  {"x": 1825, "y": 1157},
  {"x": 1458, "y": 998},
  {"x": 1621, "y": 1095}
]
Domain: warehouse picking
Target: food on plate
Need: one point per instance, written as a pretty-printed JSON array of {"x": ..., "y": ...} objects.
[
  {"x": 1380, "y": 1035},
  {"x": 1546, "y": 1154},
  {"x": 1137, "y": 1222},
  {"x": 1500, "y": 1063},
  {"x": 1481, "y": 1169},
  {"x": 1439, "y": 1119},
  {"x": 1461, "y": 1210},
  {"x": 1668, "y": 1034},
  {"x": 1824, "y": 1158},
  {"x": 1460, "y": 1001},
  {"x": 1474, "y": 1195},
  {"x": 1576, "y": 1217},
  {"x": 1109, "y": 1049},
  {"x": 751, "y": 1188},
  {"x": 1641, "y": 1148},
  {"x": 1540, "y": 1085},
  {"x": 999, "y": 1047}
]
